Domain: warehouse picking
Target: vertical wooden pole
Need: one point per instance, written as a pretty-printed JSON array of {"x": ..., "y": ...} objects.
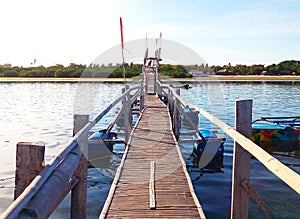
[
  {"x": 142, "y": 100},
  {"x": 146, "y": 82},
  {"x": 29, "y": 162},
  {"x": 154, "y": 84},
  {"x": 127, "y": 127},
  {"x": 126, "y": 108},
  {"x": 176, "y": 122},
  {"x": 158, "y": 88},
  {"x": 170, "y": 100},
  {"x": 78, "y": 194},
  {"x": 241, "y": 161},
  {"x": 129, "y": 110}
]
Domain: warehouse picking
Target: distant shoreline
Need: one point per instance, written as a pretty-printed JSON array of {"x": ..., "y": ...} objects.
[{"x": 120, "y": 80}]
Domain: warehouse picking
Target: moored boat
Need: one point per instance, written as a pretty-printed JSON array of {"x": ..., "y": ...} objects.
[
  {"x": 280, "y": 132},
  {"x": 209, "y": 151}
]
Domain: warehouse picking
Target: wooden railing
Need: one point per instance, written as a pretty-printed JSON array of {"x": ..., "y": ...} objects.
[
  {"x": 244, "y": 148},
  {"x": 66, "y": 171}
]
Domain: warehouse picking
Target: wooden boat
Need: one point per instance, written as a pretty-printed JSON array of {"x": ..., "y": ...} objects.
[{"x": 280, "y": 132}]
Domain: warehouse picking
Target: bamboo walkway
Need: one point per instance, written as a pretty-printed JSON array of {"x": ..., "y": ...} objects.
[{"x": 152, "y": 181}]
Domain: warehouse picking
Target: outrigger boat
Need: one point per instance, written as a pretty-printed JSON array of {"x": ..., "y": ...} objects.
[{"x": 280, "y": 132}]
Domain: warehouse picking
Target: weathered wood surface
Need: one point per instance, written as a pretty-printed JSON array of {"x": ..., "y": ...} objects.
[
  {"x": 241, "y": 161},
  {"x": 78, "y": 194},
  {"x": 152, "y": 141},
  {"x": 29, "y": 162}
]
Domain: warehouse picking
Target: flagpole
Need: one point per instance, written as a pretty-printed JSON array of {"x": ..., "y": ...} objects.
[{"x": 122, "y": 45}]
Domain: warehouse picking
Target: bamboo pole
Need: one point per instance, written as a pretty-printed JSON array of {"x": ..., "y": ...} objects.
[
  {"x": 29, "y": 162},
  {"x": 78, "y": 194},
  {"x": 241, "y": 161}
]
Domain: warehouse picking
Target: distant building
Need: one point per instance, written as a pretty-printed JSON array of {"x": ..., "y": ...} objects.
[
  {"x": 197, "y": 73},
  {"x": 264, "y": 73},
  {"x": 225, "y": 72}
]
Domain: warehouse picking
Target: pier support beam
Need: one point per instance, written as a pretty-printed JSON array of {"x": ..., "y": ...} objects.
[
  {"x": 29, "y": 162},
  {"x": 176, "y": 114},
  {"x": 241, "y": 161},
  {"x": 78, "y": 195}
]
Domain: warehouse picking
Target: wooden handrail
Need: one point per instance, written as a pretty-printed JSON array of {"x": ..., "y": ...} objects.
[{"x": 13, "y": 210}]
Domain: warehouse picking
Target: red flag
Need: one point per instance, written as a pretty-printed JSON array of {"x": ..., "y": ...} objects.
[{"x": 121, "y": 28}]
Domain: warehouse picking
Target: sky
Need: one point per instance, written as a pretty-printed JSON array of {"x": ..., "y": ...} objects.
[{"x": 78, "y": 31}]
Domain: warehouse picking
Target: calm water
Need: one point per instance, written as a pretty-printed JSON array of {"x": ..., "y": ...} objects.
[{"x": 44, "y": 112}]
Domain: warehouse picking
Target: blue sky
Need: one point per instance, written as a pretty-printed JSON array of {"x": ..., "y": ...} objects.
[{"x": 220, "y": 31}]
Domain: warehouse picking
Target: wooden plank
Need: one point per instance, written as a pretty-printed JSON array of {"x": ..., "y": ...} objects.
[
  {"x": 152, "y": 185},
  {"x": 250, "y": 189}
]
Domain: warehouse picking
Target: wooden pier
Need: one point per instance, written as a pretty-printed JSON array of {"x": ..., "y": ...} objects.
[{"x": 152, "y": 180}]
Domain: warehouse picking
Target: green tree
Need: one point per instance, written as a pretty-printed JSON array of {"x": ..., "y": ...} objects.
[
  {"x": 256, "y": 69},
  {"x": 10, "y": 72}
]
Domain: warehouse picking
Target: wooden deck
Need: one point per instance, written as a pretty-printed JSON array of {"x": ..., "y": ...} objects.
[{"x": 152, "y": 141}]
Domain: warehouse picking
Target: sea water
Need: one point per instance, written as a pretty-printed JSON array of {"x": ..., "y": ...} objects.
[{"x": 44, "y": 112}]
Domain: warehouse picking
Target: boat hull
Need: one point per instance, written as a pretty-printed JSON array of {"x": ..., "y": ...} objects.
[{"x": 275, "y": 135}]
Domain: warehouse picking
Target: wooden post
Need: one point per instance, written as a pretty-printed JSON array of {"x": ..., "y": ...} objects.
[
  {"x": 29, "y": 162},
  {"x": 241, "y": 161},
  {"x": 78, "y": 194},
  {"x": 176, "y": 115},
  {"x": 146, "y": 82},
  {"x": 158, "y": 88},
  {"x": 170, "y": 100},
  {"x": 127, "y": 126},
  {"x": 155, "y": 84},
  {"x": 127, "y": 114},
  {"x": 142, "y": 98}
]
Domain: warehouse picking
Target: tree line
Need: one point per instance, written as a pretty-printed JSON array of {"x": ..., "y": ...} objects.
[
  {"x": 291, "y": 67},
  {"x": 91, "y": 71},
  {"x": 73, "y": 70}
]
